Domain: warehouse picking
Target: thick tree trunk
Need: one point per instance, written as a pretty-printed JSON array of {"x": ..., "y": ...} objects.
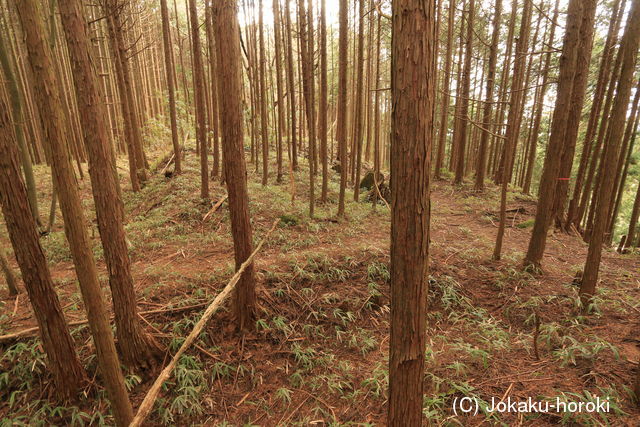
[
  {"x": 137, "y": 348},
  {"x": 48, "y": 99},
  {"x": 413, "y": 53},
  {"x": 628, "y": 53},
  {"x": 575, "y": 109},
  {"x": 551, "y": 170},
  {"x": 601, "y": 84},
  {"x": 68, "y": 374},
  {"x": 225, "y": 13}
]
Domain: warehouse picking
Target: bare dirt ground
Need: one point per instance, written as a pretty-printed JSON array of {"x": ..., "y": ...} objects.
[{"x": 319, "y": 352}]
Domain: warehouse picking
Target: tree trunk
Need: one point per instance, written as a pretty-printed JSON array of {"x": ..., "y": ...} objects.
[
  {"x": 551, "y": 170},
  {"x": 68, "y": 374},
  {"x": 323, "y": 108},
  {"x": 539, "y": 105},
  {"x": 357, "y": 114},
  {"x": 628, "y": 53},
  {"x": 291, "y": 88},
  {"x": 18, "y": 120},
  {"x": 199, "y": 93},
  {"x": 599, "y": 92},
  {"x": 488, "y": 106},
  {"x": 461, "y": 134},
  {"x": 343, "y": 51},
  {"x": 513, "y": 119},
  {"x": 168, "y": 65},
  {"x": 575, "y": 109},
  {"x": 279, "y": 85},
  {"x": 49, "y": 103},
  {"x": 446, "y": 80},
  {"x": 413, "y": 53},
  {"x": 229, "y": 58},
  {"x": 306, "y": 53},
  {"x": 137, "y": 348}
]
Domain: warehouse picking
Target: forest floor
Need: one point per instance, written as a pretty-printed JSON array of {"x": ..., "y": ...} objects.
[{"x": 319, "y": 352}]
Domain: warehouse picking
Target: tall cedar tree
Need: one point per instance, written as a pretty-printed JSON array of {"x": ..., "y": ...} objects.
[
  {"x": 628, "y": 54},
  {"x": 225, "y": 14},
  {"x": 279, "y": 84},
  {"x": 460, "y": 140},
  {"x": 306, "y": 57},
  {"x": 168, "y": 66},
  {"x": 11, "y": 82},
  {"x": 446, "y": 80},
  {"x": 413, "y": 85},
  {"x": 488, "y": 106},
  {"x": 513, "y": 119},
  {"x": 578, "y": 92},
  {"x": 137, "y": 347},
  {"x": 596, "y": 106},
  {"x": 357, "y": 113},
  {"x": 68, "y": 375},
  {"x": 48, "y": 100},
  {"x": 551, "y": 169},
  {"x": 264, "y": 115},
  {"x": 199, "y": 95},
  {"x": 291, "y": 88},
  {"x": 343, "y": 47},
  {"x": 323, "y": 108}
]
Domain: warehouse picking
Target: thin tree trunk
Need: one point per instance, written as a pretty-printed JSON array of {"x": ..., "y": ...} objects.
[
  {"x": 461, "y": 134},
  {"x": 168, "y": 65},
  {"x": 322, "y": 109},
  {"x": 18, "y": 119},
  {"x": 199, "y": 93},
  {"x": 358, "y": 108},
  {"x": 10, "y": 278},
  {"x": 513, "y": 119},
  {"x": 488, "y": 106},
  {"x": 225, "y": 13},
  {"x": 291, "y": 88},
  {"x": 306, "y": 41},
  {"x": 343, "y": 51}
]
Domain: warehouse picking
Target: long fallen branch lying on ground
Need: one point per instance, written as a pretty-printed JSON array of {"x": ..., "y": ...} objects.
[
  {"x": 147, "y": 404},
  {"x": 31, "y": 332}
]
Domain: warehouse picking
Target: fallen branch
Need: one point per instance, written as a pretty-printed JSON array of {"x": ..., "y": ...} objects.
[
  {"x": 215, "y": 207},
  {"x": 34, "y": 330},
  {"x": 147, "y": 404}
]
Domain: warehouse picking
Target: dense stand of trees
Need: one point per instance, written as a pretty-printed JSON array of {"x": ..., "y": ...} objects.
[{"x": 479, "y": 92}]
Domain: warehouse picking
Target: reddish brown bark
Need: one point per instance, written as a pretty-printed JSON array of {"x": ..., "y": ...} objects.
[{"x": 413, "y": 50}]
